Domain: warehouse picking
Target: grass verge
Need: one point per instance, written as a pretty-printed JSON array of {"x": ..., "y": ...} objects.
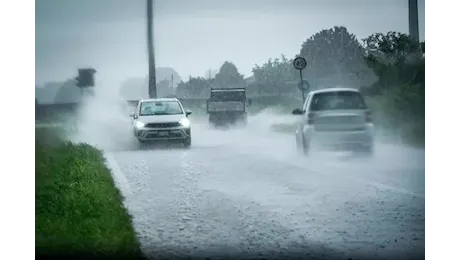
[{"x": 78, "y": 209}]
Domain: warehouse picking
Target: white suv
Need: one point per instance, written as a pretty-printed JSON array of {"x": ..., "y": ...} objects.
[
  {"x": 162, "y": 119},
  {"x": 336, "y": 118}
]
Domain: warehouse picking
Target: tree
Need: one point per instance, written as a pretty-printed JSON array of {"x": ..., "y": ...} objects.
[
  {"x": 194, "y": 88},
  {"x": 228, "y": 77},
  {"x": 165, "y": 73},
  {"x": 335, "y": 57},
  {"x": 210, "y": 73},
  {"x": 399, "y": 93},
  {"x": 395, "y": 58},
  {"x": 199, "y": 87},
  {"x": 277, "y": 76},
  {"x": 393, "y": 48}
]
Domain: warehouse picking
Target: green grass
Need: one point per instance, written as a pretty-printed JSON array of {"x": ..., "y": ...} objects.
[{"x": 78, "y": 209}]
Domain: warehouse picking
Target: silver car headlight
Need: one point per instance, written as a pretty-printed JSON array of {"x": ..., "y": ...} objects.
[
  {"x": 184, "y": 122},
  {"x": 139, "y": 124}
]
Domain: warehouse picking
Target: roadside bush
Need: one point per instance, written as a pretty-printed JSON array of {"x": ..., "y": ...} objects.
[{"x": 400, "y": 112}]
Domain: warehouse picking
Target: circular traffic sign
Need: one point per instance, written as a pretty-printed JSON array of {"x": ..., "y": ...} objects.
[{"x": 300, "y": 63}]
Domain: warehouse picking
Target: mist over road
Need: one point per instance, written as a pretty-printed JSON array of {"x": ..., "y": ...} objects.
[{"x": 248, "y": 191}]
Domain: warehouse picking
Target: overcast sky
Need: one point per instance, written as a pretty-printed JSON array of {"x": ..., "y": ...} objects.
[{"x": 193, "y": 36}]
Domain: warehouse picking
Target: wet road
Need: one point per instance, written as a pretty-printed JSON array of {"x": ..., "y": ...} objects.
[{"x": 249, "y": 192}]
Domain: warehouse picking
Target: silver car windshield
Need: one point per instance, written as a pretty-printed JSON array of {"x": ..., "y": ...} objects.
[{"x": 149, "y": 108}]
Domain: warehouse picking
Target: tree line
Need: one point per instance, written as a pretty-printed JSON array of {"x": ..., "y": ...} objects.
[
  {"x": 388, "y": 68},
  {"x": 335, "y": 58}
]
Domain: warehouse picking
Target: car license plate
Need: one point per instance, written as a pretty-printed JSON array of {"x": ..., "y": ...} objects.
[{"x": 163, "y": 133}]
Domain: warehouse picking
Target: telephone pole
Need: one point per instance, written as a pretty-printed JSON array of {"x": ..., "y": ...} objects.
[
  {"x": 151, "y": 51},
  {"x": 413, "y": 20}
]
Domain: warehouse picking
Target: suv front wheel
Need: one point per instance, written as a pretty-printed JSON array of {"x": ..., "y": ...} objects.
[
  {"x": 366, "y": 150},
  {"x": 302, "y": 145},
  {"x": 188, "y": 142}
]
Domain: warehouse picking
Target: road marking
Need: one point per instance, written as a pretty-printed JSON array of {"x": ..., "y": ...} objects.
[{"x": 120, "y": 178}]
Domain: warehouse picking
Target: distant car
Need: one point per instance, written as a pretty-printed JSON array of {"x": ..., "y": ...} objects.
[
  {"x": 335, "y": 118},
  {"x": 162, "y": 119}
]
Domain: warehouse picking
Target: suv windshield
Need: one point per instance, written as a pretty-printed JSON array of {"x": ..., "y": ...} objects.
[
  {"x": 337, "y": 100},
  {"x": 149, "y": 108}
]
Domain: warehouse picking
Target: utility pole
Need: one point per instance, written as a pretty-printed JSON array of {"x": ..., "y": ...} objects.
[
  {"x": 413, "y": 20},
  {"x": 151, "y": 51}
]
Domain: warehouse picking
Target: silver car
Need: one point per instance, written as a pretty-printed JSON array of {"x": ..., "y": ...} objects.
[
  {"x": 161, "y": 119},
  {"x": 335, "y": 118}
]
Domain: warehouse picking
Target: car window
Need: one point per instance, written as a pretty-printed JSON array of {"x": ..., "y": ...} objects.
[
  {"x": 160, "y": 108},
  {"x": 337, "y": 100}
]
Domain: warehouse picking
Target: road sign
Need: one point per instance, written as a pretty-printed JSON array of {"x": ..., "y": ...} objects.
[
  {"x": 300, "y": 63},
  {"x": 304, "y": 86},
  {"x": 85, "y": 78}
]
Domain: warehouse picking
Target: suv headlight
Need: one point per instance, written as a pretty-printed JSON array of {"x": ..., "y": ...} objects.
[
  {"x": 139, "y": 124},
  {"x": 185, "y": 122}
]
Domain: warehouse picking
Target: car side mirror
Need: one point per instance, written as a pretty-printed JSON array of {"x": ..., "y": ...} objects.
[
  {"x": 297, "y": 111},
  {"x": 249, "y": 102},
  {"x": 188, "y": 112},
  {"x": 133, "y": 115}
]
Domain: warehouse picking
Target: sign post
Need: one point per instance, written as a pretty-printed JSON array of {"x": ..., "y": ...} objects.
[{"x": 300, "y": 63}]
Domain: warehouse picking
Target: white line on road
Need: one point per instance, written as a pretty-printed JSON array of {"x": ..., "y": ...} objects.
[{"x": 119, "y": 177}]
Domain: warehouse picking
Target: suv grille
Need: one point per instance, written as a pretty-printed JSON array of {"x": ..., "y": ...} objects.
[{"x": 162, "y": 125}]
